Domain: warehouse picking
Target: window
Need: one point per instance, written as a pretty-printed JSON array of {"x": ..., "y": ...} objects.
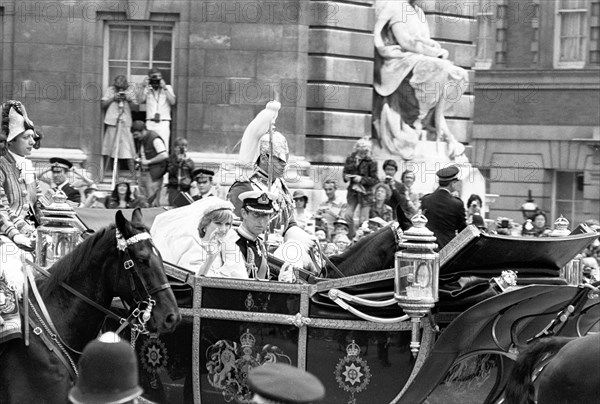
[
  {"x": 486, "y": 38},
  {"x": 132, "y": 50},
  {"x": 571, "y": 33},
  {"x": 569, "y": 197}
]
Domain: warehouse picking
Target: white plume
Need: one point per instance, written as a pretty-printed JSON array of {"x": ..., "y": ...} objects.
[{"x": 255, "y": 130}]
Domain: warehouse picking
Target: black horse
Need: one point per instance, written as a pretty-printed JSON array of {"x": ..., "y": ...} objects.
[
  {"x": 100, "y": 269},
  {"x": 372, "y": 253},
  {"x": 571, "y": 375}
]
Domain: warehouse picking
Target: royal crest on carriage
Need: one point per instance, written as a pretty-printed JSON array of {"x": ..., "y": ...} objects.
[
  {"x": 153, "y": 357},
  {"x": 228, "y": 364},
  {"x": 352, "y": 372}
]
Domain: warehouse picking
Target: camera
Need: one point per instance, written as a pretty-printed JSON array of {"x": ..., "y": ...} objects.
[
  {"x": 121, "y": 95},
  {"x": 154, "y": 80},
  {"x": 388, "y": 179}
]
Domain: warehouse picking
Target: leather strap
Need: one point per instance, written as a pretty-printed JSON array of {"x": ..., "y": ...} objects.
[
  {"x": 76, "y": 293},
  {"x": 52, "y": 348}
]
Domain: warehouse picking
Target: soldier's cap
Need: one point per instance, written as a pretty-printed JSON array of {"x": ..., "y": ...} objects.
[
  {"x": 258, "y": 201},
  {"x": 285, "y": 384},
  {"x": 203, "y": 172},
  {"x": 448, "y": 174},
  {"x": 342, "y": 222},
  {"x": 60, "y": 162},
  {"x": 299, "y": 194}
]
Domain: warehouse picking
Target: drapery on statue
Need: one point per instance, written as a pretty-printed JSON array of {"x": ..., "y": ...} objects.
[{"x": 414, "y": 80}]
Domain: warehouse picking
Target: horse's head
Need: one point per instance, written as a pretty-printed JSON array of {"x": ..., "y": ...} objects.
[{"x": 144, "y": 283}]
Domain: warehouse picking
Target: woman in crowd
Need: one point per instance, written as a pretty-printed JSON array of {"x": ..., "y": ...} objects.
[
  {"x": 410, "y": 201},
  {"x": 380, "y": 208},
  {"x": 180, "y": 169},
  {"x": 118, "y": 141},
  {"x": 122, "y": 197},
  {"x": 539, "y": 224},
  {"x": 360, "y": 170},
  {"x": 474, "y": 205},
  {"x": 302, "y": 214},
  {"x": 193, "y": 237}
]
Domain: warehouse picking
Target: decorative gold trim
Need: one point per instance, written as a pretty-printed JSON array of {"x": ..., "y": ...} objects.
[
  {"x": 458, "y": 243},
  {"x": 300, "y": 321},
  {"x": 251, "y": 284},
  {"x": 272, "y": 318},
  {"x": 196, "y": 347},
  {"x": 357, "y": 325},
  {"x": 427, "y": 342},
  {"x": 353, "y": 280}
]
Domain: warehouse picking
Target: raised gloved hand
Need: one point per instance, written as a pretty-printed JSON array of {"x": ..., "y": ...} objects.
[
  {"x": 286, "y": 274},
  {"x": 23, "y": 242}
]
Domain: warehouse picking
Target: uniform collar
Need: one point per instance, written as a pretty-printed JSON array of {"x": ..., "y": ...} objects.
[{"x": 246, "y": 234}]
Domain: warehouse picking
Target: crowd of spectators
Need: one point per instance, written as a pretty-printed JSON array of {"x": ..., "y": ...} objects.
[{"x": 370, "y": 202}]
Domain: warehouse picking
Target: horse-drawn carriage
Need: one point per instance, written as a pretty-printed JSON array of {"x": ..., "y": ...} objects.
[{"x": 369, "y": 354}]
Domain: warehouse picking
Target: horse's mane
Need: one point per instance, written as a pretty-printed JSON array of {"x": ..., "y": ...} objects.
[
  {"x": 361, "y": 255},
  {"x": 79, "y": 258}
]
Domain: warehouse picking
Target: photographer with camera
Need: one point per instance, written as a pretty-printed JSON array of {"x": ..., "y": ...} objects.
[
  {"x": 118, "y": 142},
  {"x": 180, "y": 171},
  {"x": 158, "y": 97}
]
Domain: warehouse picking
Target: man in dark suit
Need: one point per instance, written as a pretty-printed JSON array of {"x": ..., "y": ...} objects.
[
  {"x": 59, "y": 169},
  {"x": 445, "y": 213}
]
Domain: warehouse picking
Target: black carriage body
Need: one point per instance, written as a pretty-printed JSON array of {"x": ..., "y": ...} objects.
[{"x": 232, "y": 325}]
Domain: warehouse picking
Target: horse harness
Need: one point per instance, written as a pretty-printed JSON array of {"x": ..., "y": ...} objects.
[{"x": 137, "y": 319}]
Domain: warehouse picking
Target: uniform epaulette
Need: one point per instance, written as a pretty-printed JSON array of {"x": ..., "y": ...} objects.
[{"x": 242, "y": 178}]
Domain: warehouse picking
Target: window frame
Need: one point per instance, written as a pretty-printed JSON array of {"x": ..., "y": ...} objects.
[
  {"x": 559, "y": 12},
  {"x": 486, "y": 62},
  {"x": 572, "y": 201},
  {"x": 106, "y": 80}
]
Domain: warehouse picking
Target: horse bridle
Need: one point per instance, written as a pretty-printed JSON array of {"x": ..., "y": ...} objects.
[
  {"x": 142, "y": 297},
  {"x": 139, "y": 316}
]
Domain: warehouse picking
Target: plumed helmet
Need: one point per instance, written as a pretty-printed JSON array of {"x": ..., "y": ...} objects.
[
  {"x": 250, "y": 146},
  {"x": 108, "y": 372},
  {"x": 280, "y": 146}
]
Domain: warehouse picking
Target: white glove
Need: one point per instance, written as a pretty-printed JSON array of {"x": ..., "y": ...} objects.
[
  {"x": 286, "y": 274},
  {"x": 23, "y": 242}
]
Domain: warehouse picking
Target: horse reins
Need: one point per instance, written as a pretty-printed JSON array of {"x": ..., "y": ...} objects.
[{"x": 141, "y": 315}]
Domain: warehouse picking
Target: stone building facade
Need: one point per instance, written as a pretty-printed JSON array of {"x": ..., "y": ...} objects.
[
  {"x": 537, "y": 115},
  {"x": 225, "y": 60}
]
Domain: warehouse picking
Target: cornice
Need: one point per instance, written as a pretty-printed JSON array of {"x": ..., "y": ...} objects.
[{"x": 545, "y": 79}]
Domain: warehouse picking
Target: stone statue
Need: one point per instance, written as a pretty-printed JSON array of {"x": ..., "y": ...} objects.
[{"x": 414, "y": 80}]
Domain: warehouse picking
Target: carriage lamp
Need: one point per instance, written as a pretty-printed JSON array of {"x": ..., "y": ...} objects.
[
  {"x": 561, "y": 227},
  {"x": 59, "y": 233},
  {"x": 417, "y": 273}
]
